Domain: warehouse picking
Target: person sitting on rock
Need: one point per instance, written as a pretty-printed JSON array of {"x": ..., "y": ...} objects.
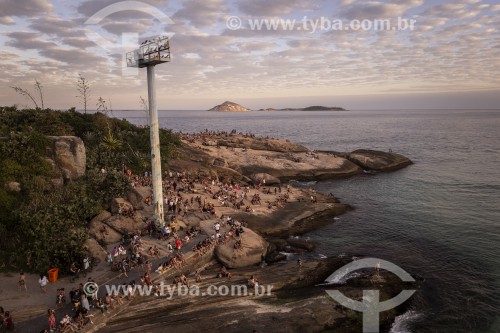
[
  {"x": 252, "y": 282},
  {"x": 184, "y": 280},
  {"x": 66, "y": 324},
  {"x": 225, "y": 273}
]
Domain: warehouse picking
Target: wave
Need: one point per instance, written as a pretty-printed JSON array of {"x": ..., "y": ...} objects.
[{"x": 402, "y": 322}]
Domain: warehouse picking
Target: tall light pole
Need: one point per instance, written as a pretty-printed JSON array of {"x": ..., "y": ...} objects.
[{"x": 149, "y": 54}]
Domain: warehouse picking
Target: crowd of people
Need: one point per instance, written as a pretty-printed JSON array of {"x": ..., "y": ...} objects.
[
  {"x": 184, "y": 192},
  {"x": 206, "y": 135}
]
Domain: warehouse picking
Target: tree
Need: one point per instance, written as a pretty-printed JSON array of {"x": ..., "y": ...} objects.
[{"x": 83, "y": 87}]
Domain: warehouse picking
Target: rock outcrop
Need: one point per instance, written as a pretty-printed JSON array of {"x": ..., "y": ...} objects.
[
  {"x": 229, "y": 107},
  {"x": 68, "y": 156},
  {"x": 138, "y": 195},
  {"x": 124, "y": 224},
  {"x": 379, "y": 160},
  {"x": 119, "y": 205},
  {"x": 301, "y": 244},
  {"x": 102, "y": 232},
  {"x": 95, "y": 249},
  {"x": 253, "y": 247},
  {"x": 266, "y": 178}
]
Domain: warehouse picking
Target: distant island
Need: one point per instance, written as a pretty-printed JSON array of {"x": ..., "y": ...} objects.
[
  {"x": 309, "y": 108},
  {"x": 234, "y": 107},
  {"x": 229, "y": 107}
]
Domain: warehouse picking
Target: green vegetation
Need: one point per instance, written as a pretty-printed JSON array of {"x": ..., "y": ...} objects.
[{"x": 45, "y": 225}]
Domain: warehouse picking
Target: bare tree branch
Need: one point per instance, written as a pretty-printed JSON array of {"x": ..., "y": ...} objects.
[{"x": 26, "y": 94}]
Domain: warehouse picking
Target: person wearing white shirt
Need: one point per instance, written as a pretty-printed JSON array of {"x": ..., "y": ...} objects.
[{"x": 42, "y": 281}]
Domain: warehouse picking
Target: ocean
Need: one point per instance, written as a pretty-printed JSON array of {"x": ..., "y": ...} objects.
[{"x": 438, "y": 219}]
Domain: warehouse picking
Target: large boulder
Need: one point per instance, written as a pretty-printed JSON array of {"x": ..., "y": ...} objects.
[
  {"x": 301, "y": 244},
  {"x": 125, "y": 224},
  {"x": 379, "y": 160},
  {"x": 118, "y": 203},
  {"x": 269, "y": 179},
  {"x": 138, "y": 195},
  {"x": 68, "y": 156},
  {"x": 95, "y": 250},
  {"x": 102, "y": 232},
  {"x": 104, "y": 215},
  {"x": 253, "y": 247}
]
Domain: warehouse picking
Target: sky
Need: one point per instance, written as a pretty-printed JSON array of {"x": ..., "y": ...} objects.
[{"x": 443, "y": 54}]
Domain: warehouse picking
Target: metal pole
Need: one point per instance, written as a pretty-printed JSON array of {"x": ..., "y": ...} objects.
[{"x": 155, "y": 149}]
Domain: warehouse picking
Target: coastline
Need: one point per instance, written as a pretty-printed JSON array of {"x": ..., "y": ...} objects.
[{"x": 299, "y": 215}]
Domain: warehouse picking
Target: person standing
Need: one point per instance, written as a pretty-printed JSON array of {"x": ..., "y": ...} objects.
[
  {"x": 42, "y": 281},
  {"x": 2, "y": 317},
  {"x": 22, "y": 282},
  {"x": 9, "y": 323},
  {"x": 178, "y": 244},
  {"x": 85, "y": 302},
  {"x": 52, "y": 320}
]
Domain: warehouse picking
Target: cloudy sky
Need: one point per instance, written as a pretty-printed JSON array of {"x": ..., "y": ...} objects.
[{"x": 450, "y": 59}]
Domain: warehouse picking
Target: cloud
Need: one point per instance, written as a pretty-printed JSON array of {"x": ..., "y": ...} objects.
[
  {"x": 91, "y": 7},
  {"x": 137, "y": 26},
  {"x": 51, "y": 50},
  {"x": 27, "y": 41},
  {"x": 275, "y": 7},
  {"x": 7, "y": 20},
  {"x": 56, "y": 26},
  {"x": 373, "y": 10},
  {"x": 201, "y": 14},
  {"x": 25, "y": 7}
]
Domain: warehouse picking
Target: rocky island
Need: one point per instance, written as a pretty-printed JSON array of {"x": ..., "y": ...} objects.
[
  {"x": 309, "y": 108},
  {"x": 234, "y": 107},
  {"x": 229, "y": 107},
  {"x": 232, "y": 182}
]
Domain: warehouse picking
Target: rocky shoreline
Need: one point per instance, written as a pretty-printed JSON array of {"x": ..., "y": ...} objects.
[{"x": 297, "y": 304}]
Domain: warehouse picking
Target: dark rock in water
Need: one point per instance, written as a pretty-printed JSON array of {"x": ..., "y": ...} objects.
[
  {"x": 280, "y": 244},
  {"x": 295, "y": 250},
  {"x": 301, "y": 244},
  {"x": 379, "y": 160},
  {"x": 275, "y": 257}
]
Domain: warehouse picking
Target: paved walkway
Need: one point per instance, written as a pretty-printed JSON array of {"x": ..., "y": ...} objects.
[{"x": 103, "y": 275}]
